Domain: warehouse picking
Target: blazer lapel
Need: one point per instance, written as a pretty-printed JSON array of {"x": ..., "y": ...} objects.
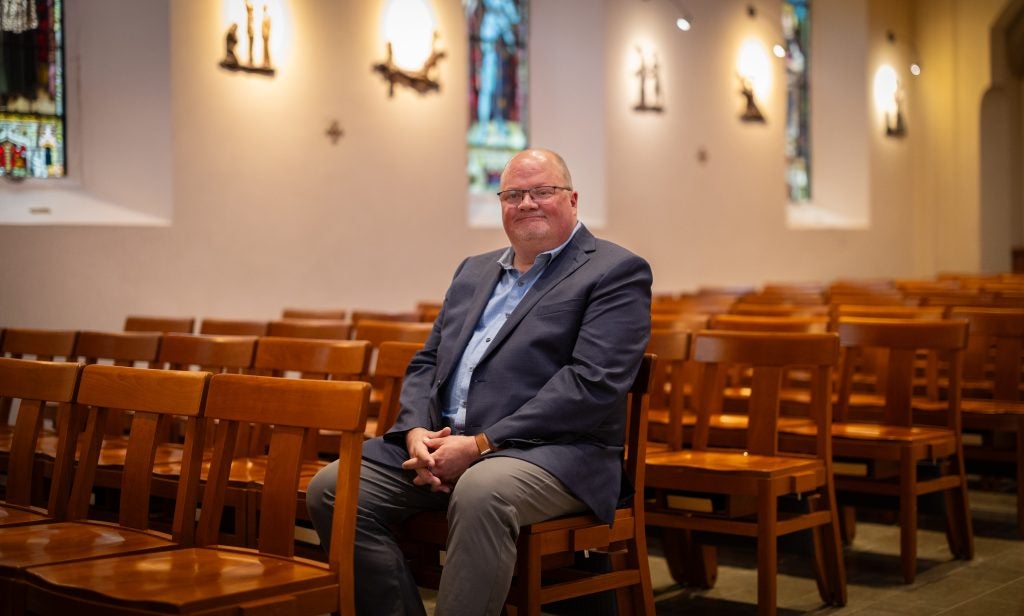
[
  {"x": 488, "y": 279},
  {"x": 572, "y": 257}
]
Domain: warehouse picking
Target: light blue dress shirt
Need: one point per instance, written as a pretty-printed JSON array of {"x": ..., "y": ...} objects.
[{"x": 510, "y": 290}]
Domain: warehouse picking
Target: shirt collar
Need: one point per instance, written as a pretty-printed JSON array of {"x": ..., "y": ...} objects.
[{"x": 507, "y": 258}]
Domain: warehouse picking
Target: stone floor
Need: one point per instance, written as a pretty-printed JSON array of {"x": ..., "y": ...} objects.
[{"x": 990, "y": 584}]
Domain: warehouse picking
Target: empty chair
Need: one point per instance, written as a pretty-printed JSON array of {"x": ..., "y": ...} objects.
[
  {"x": 671, "y": 385},
  {"x": 745, "y": 490},
  {"x": 33, "y": 384},
  {"x": 993, "y": 402},
  {"x": 392, "y": 360},
  {"x": 163, "y": 325},
  {"x": 233, "y": 327},
  {"x": 383, "y": 315},
  {"x": 328, "y": 329},
  {"x": 150, "y": 394},
  {"x": 896, "y": 455},
  {"x": 206, "y": 578}
]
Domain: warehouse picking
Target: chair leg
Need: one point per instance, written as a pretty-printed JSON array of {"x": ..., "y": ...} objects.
[
  {"x": 767, "y": 551},
  {"x": 908, "y": 516},
  {"x": 642, "y": 595},
  {"x": 959, "y": 512},
  {"x": 847, "y": 523},
  {"x": 829, "y": 566},
  {"x": 690, "y": 563}
]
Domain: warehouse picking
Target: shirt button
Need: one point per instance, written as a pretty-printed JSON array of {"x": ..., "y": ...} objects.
[
  {"x": 520, "y": 283},
  {"x": 487, "y": 340}
]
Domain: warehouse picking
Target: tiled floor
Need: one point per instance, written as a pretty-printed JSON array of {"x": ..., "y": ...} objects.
[{"x": 990, "y": 584}]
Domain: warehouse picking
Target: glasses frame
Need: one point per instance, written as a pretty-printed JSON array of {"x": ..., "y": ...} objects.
[{"x": 525, "y": 191}]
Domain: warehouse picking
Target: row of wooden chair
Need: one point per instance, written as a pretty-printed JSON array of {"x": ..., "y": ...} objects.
[
  {"x": 336, "y": 323},
  {"x": 897, "y": 432},
  {"x": 64, "y": 562}
]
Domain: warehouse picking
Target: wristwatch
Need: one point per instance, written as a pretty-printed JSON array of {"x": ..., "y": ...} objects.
[{"x": 482, "y": 443}]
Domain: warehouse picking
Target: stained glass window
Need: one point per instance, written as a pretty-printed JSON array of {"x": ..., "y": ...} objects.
[
  {"x": 32, "y": 128},
  {"x": 498, "y": 119},
  {"x": 796, "y": 24}
]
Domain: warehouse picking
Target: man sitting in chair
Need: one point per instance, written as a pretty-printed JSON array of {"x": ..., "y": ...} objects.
[{"x": 514, "y": 412}]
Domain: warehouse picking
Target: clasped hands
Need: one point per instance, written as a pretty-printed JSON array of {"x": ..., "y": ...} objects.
[{"x": 439, "y": 458}]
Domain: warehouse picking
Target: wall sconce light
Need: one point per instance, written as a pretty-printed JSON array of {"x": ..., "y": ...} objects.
[
  {"x": 649, "y": 81},
  {"x": 411, "y": 41},
  {"x": 889, "y": 100},
  {"x": 254, "y": 27},
  {"x": 754, "y": 72}
]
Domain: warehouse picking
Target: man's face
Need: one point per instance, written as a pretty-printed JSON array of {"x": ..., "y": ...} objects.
[{"x": 534, "y": 227}]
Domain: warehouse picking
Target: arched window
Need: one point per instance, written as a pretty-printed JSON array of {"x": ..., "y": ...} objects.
[{"x": 796, "y": 26}]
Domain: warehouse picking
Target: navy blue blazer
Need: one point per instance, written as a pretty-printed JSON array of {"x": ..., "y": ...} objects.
[{"x": 551, "y": 387}]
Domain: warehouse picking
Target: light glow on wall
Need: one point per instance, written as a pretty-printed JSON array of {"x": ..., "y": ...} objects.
[
  {"x": 409, "y": 26},
  {"x": 886, "y": 89},
  {"x": 753, "y": 65}
]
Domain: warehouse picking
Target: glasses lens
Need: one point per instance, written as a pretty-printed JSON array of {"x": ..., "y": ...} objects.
[
  {"x": 511, "y": 197},
  {"x": 542, "y": 193}
]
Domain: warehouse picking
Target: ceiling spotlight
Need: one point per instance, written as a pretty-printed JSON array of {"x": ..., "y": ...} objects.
[{"x": 683, "y": 23}]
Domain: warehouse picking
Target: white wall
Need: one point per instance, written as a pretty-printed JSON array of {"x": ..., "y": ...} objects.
[{"x": 267, "y": 212}]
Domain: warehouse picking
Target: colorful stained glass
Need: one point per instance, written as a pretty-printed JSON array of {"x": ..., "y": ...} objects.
[
  {"x": 796, "y": 27},
  {"x": 498, "y": 119},
  {"x": 32, "y": 129}
]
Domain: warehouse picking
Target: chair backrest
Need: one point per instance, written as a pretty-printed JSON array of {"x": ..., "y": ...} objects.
[
  {"x": 358, "y": 316},
  {"x": 377, "y": 332},
  {"x": 392, "y": 360},
  {"x": 327, "y": 329},
  {"x": 163, "y": 325},
  {"x": 686, "y": 321},
  {"x": 994, "y": 348},
  {"x": 321, "y": 358},
  {"x": 35, "y": 383},
  {"x": 769, "y": 356},
  {"x": 119, "y": 348},
  {"x": 901, "y": 340},
  {"x": 330, "y": 314},
  {"x": 882, "y": 311},
  {"x": 765, "y": 323},
  {"x": 41, "y": 344},
  {"x": 233, "y": 327},
  {"x": 150, "y": 395},
  {"x": 290, "y": 408},
  {"x": 207, "y": 352},
  {"x": 670, "y": 377}
]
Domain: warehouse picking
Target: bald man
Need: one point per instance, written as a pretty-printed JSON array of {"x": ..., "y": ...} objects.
[{"x": 514, "y": 412}]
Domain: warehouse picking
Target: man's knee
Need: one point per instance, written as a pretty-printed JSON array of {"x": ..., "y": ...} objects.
[{"x": 478, "y": 497}]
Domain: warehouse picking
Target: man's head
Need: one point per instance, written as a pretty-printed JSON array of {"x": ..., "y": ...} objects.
[{"x": 535, "y": 226}]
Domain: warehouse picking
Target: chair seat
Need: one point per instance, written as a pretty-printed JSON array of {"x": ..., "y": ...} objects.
[
  {"x": 186, "y": 579},
  {"x": 991, "y": 407},
  {"x": 16, "y": 516},
  {"x": 726, "y": 462},
  {"x": 41, "y": 544}
]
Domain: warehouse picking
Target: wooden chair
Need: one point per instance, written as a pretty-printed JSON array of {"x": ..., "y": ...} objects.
[
  {"x": 993, "y": 402},
  {"x": 327, "y": 329},
  {"x": 427, "y": 310},
  {"x": 896, "y": 456},
  {"x": 233, "y": 327},
  {"x": 163, "y": 325},
  {"x": 547, "y": 550},
  {"x": 215, "y": 354},
  {"x": 738, "y": 491},
  {"x": 671, "y": 386},
  {"x": 337, "y": 360},
  {"x": 150, "y": 394},
  {"x": 210, "y": 579},
  {"x": 376, "y": 333},
  {"x": 39, "y": 344},
  {"x": 329, "y": 314},
  {"x": 33, "y": 384},
  {"x": 392, "y": 360}
]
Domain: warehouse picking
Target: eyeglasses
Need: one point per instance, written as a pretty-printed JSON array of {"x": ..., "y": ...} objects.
[{"x": 514, "y": 196}]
